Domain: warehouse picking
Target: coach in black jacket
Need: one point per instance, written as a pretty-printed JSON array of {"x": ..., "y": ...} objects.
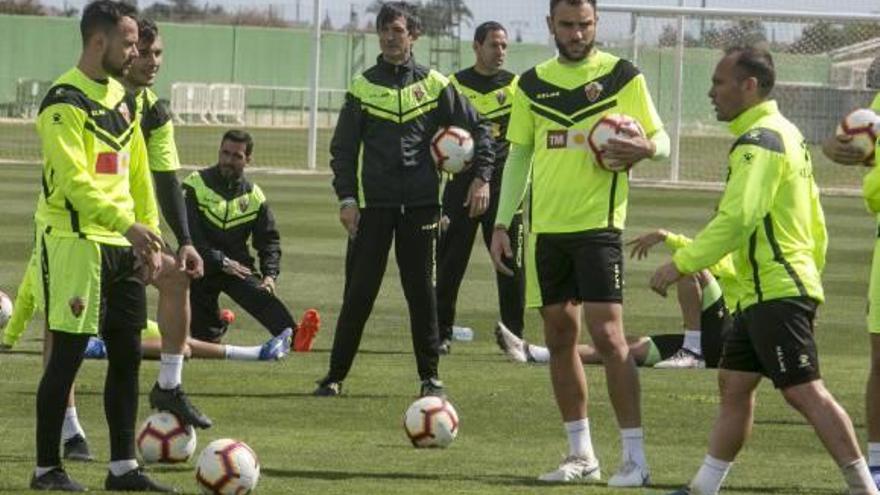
[
  {"x": 224, "y": 211},
  {"x": 389, "y": 188}
]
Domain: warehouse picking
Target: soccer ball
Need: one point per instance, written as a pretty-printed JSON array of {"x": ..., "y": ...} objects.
[
  {"x": 431, "y": 422},
  {"x": 863, "y": 126},
  {"x": 164, "y": 438},
  {"x": 613, "y": 125},
  {"x": 227, "y": 466},
  {"x": 5, "y": 309},
  {"x": 452, "y": 149}
]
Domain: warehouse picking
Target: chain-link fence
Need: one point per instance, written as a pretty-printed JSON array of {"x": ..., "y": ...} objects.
[{"x": 258, "y": 73}]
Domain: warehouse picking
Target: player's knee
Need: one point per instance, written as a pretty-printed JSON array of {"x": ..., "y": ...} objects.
[
  {"x": 807, "y": 396},
  {"x": 172, "y": 281}
]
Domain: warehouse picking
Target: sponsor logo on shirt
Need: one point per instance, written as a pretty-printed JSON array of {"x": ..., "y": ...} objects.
[
  {"x": 557, "y": 140},
  {"x": 112, "y": 163}
]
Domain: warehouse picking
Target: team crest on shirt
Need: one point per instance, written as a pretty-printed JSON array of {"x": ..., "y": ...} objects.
[
  {"x": 123, "y": 110},
  {"x": 243, "y": 203},
  {"x": 501, "y": 97},
  {"x": 419, "y": 93},
  {"x": 77, "y": 306},
  {"x": 593, "y": 91}
]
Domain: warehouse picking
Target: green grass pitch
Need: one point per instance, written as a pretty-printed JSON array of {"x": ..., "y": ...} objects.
[{"x": 510, "y": 428}]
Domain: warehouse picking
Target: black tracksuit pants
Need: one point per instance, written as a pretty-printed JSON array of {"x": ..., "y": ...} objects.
[
  {"x": 264, "y": 306},
  {"x": 414, "y": 231},
  {"x": 454, "y": 252}
]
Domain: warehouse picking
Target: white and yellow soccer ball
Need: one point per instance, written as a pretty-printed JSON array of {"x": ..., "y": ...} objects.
[
  {"x": 164, "y": 438},
  {"x": 5, "y": 309},
  {"x": 452, "y": 149},
  {"x": 613, "y": 125},
  {"x": 431, "y": 422},
  {"x": 227, "y": 467},
  {"x": 862, "y": 126}
]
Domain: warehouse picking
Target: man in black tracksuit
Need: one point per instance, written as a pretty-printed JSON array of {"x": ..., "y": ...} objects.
[
  {"x": 225, "y": 210},
  {"x": 490, "y": 90},
  {"x": 389, "y": 188}
]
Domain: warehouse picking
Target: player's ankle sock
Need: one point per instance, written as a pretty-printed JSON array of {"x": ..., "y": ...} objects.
[
  {"x": 170, "y": 370},
  {"x": 692, "y": 341},
  {"x": 118, "y": 468},
  {"x": 39, "y": 471},
  {"x": 71, "y": 426},
  {"x": 541, "y": 354},
  {"x": 579, "y": 442},
  {"x": 240, "y": 353},
  {"x": 858, "y": 477},
  {"x": 874, "y": 454},
  {"x": 633, "y": 443},
  {"x": 710, "y": 476}
]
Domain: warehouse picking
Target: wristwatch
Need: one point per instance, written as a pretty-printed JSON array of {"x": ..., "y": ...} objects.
[{"x": 225, "y": 262}]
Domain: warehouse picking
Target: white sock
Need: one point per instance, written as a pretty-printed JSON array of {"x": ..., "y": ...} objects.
[
  {"x": 710, "y": 476},
  {"x": 240, "y": 353},
  {"x": 170, "y": 370},
  {"x": 633, "y": 445},
  {"x": 118, "y": 468},
  {"x": 541, "y": 354},
  {"x": 692, "y": 341},
  {"x": 39, "y": 471},
  {"x": 71, "y": 426},
  {"x": 874, "y": 454},
  {"x": 858, "y": 478},
  {"x": 579, "y": 442}
]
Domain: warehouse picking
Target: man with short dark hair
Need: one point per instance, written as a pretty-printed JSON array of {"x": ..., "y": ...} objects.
[
  {"x": 388, "y": 188},
  {"x": 98, "y": 244},
  {"x": 225, "y": 211},
  {"x": 574, "y": 259},
  {"x": 469, "y": 202},
  {"x": 771, "y": 220}
]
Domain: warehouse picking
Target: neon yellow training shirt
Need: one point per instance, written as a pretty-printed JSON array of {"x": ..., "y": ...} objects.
[
  {"x": 158, "y": 132},
  {"x": 871, "y": 182},
  {"x": 96, "y": 181},
  {"x": 769, "y": 217},
  {"x": 554, "y": 108}
]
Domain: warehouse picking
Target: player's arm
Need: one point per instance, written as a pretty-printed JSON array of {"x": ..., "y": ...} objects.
[
  {"x": 164, "y": 163},
  {"x": 141, "y": 185},
  {"x": 61, "y": 129},
  {"x": 755, "y": 175},
  {"x": 871, "y": 185},
  {"x": 345, "y": 148},
  {"x": 656, "y": 145},
  {"x": 213, "y": 258},
  {"x": 267, "y": 242},
  {"x": 454, "y": 109}
]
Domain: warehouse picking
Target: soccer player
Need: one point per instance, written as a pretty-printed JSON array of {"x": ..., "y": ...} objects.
[
  {"x": 173, "y": 279},
  {"x": 574, "y": 261},
  {"x": 706, "y": 300},
  {"x": 389, "y": 189},
  {"x": 225, "y": 211},
  {"x": 468, "y": 201},
  {"x": 844, "y": 153},
  {"x": 98, "y": 242},
  {"x": 771, "y": 220}
]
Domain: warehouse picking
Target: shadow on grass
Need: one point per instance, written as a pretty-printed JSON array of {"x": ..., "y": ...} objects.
[
  {"x": 25, "y": 352},
  {"x": 495, "y": 479}
]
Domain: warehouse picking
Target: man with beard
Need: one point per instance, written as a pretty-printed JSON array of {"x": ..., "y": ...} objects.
[
  {"x": 574, "y": 260},
  {"x": 224, "y": 211},
  {"x": 98, "y": 242},
  {"x": 468, "y": 201}
]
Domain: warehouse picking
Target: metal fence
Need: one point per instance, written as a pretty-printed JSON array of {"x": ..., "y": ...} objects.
[{"x": 287, "y": 84}]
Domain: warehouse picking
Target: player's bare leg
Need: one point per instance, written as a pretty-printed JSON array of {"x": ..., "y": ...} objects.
[{"x": 174, "y": 318}]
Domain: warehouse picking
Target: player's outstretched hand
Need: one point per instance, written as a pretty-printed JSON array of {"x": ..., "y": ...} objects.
[
  {"x": 642, "y": 244},
  {"x": 501, "y": 250},
  {"x": 839, "y": 149},
  {"x": 477, "y": 198},
  {"x": 665, "y": 276},
  {"x": 628, "y": 150},
  {"x": 189, "y": 261}
]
